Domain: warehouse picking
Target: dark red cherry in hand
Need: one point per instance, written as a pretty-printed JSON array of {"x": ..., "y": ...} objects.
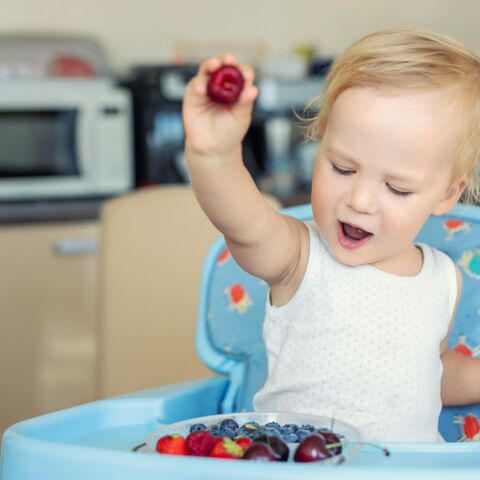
[
  {"x": 312, "y": 449},
  {"x": 260, "y": 451},
  {"x": 225, "y": 84}
]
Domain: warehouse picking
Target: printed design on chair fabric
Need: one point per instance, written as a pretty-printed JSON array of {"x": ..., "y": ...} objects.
[
  {"x": 463, "y": 347},
  {"x": 470, "y": 427},
  {"x": 455, "y": 225},
  {"x": 470, "y": 262},
  {"x": 461, "y": 243},
  {"x": 238, "y": 297},
  {"x": 223, "y": 257}
]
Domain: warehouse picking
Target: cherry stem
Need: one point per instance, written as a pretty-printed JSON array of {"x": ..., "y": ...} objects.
[
  {"x": 334, "y": 445},
  {"x": 138, "y": 447},
  {"x": 384, "y": 450}
]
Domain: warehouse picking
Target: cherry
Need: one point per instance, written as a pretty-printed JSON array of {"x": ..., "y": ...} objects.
[
  {"x": 225, "y": 84},
  {"x": 260, "y": 451},
  {"x": 312, "y": 449},
  {"x": 279, "y": 447},
  {"x": 332, "y": 439}
]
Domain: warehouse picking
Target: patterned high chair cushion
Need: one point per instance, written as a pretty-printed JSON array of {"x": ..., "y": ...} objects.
[
  {"x": 229, "y": 335},
  {"x": 458, "y": 235}
]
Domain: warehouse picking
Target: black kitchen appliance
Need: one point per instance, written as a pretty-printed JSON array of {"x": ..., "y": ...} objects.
[{"x": 157, "y": 92}]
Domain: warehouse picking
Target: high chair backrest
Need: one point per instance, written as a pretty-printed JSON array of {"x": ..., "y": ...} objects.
[{"x": 232, "y": 306}]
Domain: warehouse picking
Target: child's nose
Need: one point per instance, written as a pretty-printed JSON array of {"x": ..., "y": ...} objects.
[{"x": 363, "y": 197}]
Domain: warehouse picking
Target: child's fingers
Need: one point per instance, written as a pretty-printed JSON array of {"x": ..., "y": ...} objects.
[
  {"x": 250, "y": 91},
  {"x": 208, "y": 66},
  {"x": 228, "y": 58},
  {"x": 199, "y": 87},
  {"x": 248, "y": 96},
  {"x": 212, "y": 63},
  {"x": 248, "y": 73}
]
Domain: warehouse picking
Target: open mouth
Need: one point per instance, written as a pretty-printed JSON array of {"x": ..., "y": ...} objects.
[{"x": 351, "y": 236}]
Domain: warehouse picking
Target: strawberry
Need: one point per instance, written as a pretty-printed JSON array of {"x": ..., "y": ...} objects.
[
  {"x": 200, "y": 443},
  {"x": 243, "y": 441},
  {"x": 226, "y": 448},
  {"x": 172, "y": 444}
]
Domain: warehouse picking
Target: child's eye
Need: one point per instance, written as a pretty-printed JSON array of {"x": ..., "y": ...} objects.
[
  {"x": 342, "y": 171},
  {"x": 400, "y": 193}
]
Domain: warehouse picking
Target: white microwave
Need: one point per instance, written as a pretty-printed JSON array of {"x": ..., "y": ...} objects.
[{"x": 64, "y": 139}]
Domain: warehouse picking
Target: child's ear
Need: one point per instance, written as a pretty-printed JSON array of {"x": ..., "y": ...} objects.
[{"x": 452, "y": 196}]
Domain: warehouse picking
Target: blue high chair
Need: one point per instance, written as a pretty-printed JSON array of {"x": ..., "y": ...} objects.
[{"x": 94, "y": 441}]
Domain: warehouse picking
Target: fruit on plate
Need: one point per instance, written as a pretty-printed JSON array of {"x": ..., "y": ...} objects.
[
  {"x": 243, "y": 441},
  {"x": 279, "y": 447},
  {"x": 200, "y": 443},
  {"x": 312, "y": 449},
  {"x": 226, "y": 448},
  {"x": 197, "y": 427},
  {"x": 225, "y": 84},
  {"x": 260, "y": 451},
  {"x": 289, "y": 433},
  {"x": 333, "y": 442},
  {"x": 174, "y": 444}
]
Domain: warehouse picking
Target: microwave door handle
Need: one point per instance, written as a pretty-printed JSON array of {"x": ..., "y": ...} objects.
[{"x": 75, "y": 246}]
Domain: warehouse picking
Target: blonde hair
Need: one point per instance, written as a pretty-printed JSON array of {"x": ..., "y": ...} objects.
[{"x": 410, "y": 58}]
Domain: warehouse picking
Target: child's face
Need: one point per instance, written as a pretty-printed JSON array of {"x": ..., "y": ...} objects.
[{"x": 384, "y": 165}]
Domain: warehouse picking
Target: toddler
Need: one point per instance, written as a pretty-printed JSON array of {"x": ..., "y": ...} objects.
[{"x": 358, "y": 316}]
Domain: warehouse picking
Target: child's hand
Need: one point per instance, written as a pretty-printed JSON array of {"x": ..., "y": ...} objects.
[{"x": 212, "y": 128}]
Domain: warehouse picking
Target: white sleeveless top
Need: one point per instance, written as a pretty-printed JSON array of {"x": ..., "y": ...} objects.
[{"x": 362, "y": 345}]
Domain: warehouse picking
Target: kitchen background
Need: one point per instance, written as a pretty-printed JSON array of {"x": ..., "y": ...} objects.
[
  {"x": 151, "y": 30},
  {"x": 52, "y": 343}
]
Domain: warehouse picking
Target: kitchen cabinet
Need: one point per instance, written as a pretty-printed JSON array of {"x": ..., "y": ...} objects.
[{"x": 48, "y": 320}]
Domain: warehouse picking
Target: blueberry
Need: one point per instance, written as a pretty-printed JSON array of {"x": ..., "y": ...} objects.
[
  {"x": 257, "y": 433},
  {"x": 197, "y": 427},
  {"x": 291, "y": 438},
  {"x": 273, "y": 425},
  {"x": 308, "y": 427},
  {"x": 292, "y": 426},
  {"x": 302, "y": 433},
  {"x": 227, "y": 432},
  {"x": 287, "y": 430},
  {"x": 229, "y": 423},
  {"x": 214, "y": 430},
  {"x": 272, "y": 431}
]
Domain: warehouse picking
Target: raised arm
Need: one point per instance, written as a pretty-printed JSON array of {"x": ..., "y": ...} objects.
[{"x": 265, "y": 243}]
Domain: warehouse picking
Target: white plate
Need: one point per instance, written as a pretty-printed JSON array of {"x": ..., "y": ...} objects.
[{"x": 351, "y": 441}]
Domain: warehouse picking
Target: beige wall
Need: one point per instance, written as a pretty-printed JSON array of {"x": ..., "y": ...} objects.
[{"x": 148, "y": 30}]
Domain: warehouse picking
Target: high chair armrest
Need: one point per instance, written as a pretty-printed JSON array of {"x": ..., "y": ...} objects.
[{"x": 180, "y": 401}]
